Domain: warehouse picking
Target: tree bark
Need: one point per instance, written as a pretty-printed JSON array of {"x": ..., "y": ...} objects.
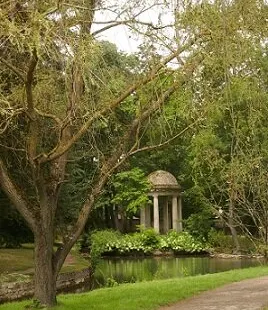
[{"x": 45, "y": 276}]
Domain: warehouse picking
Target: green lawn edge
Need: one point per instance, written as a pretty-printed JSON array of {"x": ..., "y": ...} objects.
[
  {"x": 21, "y": 261},
  {"x": 148, "y": 295}
]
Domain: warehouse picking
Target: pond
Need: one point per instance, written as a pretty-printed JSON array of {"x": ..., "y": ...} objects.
[{"x": 122, "y": 270}]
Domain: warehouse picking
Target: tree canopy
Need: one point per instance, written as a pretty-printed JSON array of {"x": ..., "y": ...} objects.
[
  {"x": 66, "y": 99},
  {"x": 73, "y": 109}
]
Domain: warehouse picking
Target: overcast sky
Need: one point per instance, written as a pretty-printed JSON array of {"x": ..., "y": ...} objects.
[{"x": 122, "y": 36}]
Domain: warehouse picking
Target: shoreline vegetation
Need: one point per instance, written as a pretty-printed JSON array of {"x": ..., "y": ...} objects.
[
  {"x": 148, "y": 295},
  {"x": 147, "y": 242},
  {"x": 143, "y": 244},
  {"x": 17, "y": 264}
]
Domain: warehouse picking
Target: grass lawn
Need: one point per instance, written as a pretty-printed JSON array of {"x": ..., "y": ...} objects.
[
  {"x": 16, "y": 260},
  {"x": 20, "y": 261},
  {"x": 147, "y": 295}
]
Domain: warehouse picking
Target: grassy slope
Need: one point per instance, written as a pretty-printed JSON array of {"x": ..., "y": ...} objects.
[
  {"x": 21, "y": 261},
  {"x": 15, "y": 260},
  {"x": 148, "y": 295}
]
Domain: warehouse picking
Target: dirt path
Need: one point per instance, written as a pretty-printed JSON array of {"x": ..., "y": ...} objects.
[{"x": 245, "y": 295}]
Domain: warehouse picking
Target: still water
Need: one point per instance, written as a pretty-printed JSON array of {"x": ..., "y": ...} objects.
[{"x": 124, "y": 270}]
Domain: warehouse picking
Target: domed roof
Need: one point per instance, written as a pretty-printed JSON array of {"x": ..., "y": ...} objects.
[{"x": 163, "y": 180}]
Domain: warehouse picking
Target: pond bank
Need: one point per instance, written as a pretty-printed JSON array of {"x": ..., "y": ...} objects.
[
  {"x": 121, "y": 270},
  {"x": 237, "y": 256},
  {"x": 112, "y": 271},
  {"x": 66, "y": 281},
  {"x": 147, "y": 295}
]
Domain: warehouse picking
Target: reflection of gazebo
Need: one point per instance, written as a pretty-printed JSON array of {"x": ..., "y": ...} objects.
[{"x": 166, "y": 212}]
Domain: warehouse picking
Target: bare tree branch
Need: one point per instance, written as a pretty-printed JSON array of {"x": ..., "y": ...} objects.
[
  {"x": 152, "y": 147},
  {"x": 15, "y": 70},
  {"x": 12, "y": 148},
  {"x": 29, "y": 82},
  {"x": 129, "y": 23},
  {"x": 108, "y": 167},
  {"x": 48, "y": 115},
  {"x": 80, "y": 7},
  {"x": 5, "y": 124},
  {"x": 16, "y": 197},
  {"x": 61, "y": 148}
]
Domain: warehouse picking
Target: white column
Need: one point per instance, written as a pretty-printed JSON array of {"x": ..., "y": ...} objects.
[
  {"x": 156, "y": 213},
  {"x": 180, "y": 214},
  {"x": 175, "y": 213},
  {"x": 166, "y": 217},
  {"x": 143, "y": 217}
]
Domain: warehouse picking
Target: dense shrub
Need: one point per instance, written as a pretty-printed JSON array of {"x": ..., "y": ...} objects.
[
  {"x": 224, "y": 243},
  {"x": 181, "y": 243},
  {"x": 199, "y": 224},
  {"x": 219, "y": 240},
  {"x": 149, "y": 237},
  {"x": 145, "y": 242},
  {"x": 104, "y": 241}
]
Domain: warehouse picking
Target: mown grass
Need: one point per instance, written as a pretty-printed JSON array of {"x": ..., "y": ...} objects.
[
  {"x": 77, "y": 263},
  {"x": 14, "y": 262},
  {"x": 147, "y": 295}
]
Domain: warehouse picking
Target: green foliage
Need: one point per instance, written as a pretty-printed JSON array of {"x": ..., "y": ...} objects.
[
  {"x": 102, "y": 242},
  {"x": 144, "y": 242},
  {"x": 194, "y": 200},
  {"x": 110, "y": 282},
  {"x": 148, "y": 295},
  {"x": 131, "y": 189},
  {"x": 218, "y": 239},
  {"x": 36, "y": 304},
  {"x": 199, "y": 224},
  {"x": 73, "y": 192},
  {"x": 181, "y": 243},
  {"x": 228, "y": 153},
  {"x": 223, "y": 243},
  {"x": 149, "y": 237},
  {"x": 108, "y": 241},
  {"x": 77, "y": 78}
]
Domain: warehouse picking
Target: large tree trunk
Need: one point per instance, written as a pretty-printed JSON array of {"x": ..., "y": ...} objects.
[{"x": 45, "y": 276}]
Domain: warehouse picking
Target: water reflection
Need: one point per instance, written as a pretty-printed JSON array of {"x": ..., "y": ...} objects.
[{"x": 139, "y": 269}]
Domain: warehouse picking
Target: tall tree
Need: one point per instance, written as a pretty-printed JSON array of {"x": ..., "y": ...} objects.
[
  {"x": 56, "y": 101},
  {"x": 233, "y": 88}
]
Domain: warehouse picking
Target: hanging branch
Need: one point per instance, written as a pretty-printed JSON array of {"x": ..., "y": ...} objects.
[
  {"x": 160, "y": 145},
  {"x": 17, "y": 197},
  {"x": 61, "y": 148},
  {"x": 15, "y": 70},
  {"x": 107, "y": 169}
]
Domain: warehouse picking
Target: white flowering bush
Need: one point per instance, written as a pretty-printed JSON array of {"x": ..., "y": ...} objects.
[
  {"x": 182, "y": 243},
  {"x": 145, "y": 242}
]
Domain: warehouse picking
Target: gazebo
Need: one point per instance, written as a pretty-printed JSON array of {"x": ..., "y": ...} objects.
[{"x": 166, "y": 212}]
